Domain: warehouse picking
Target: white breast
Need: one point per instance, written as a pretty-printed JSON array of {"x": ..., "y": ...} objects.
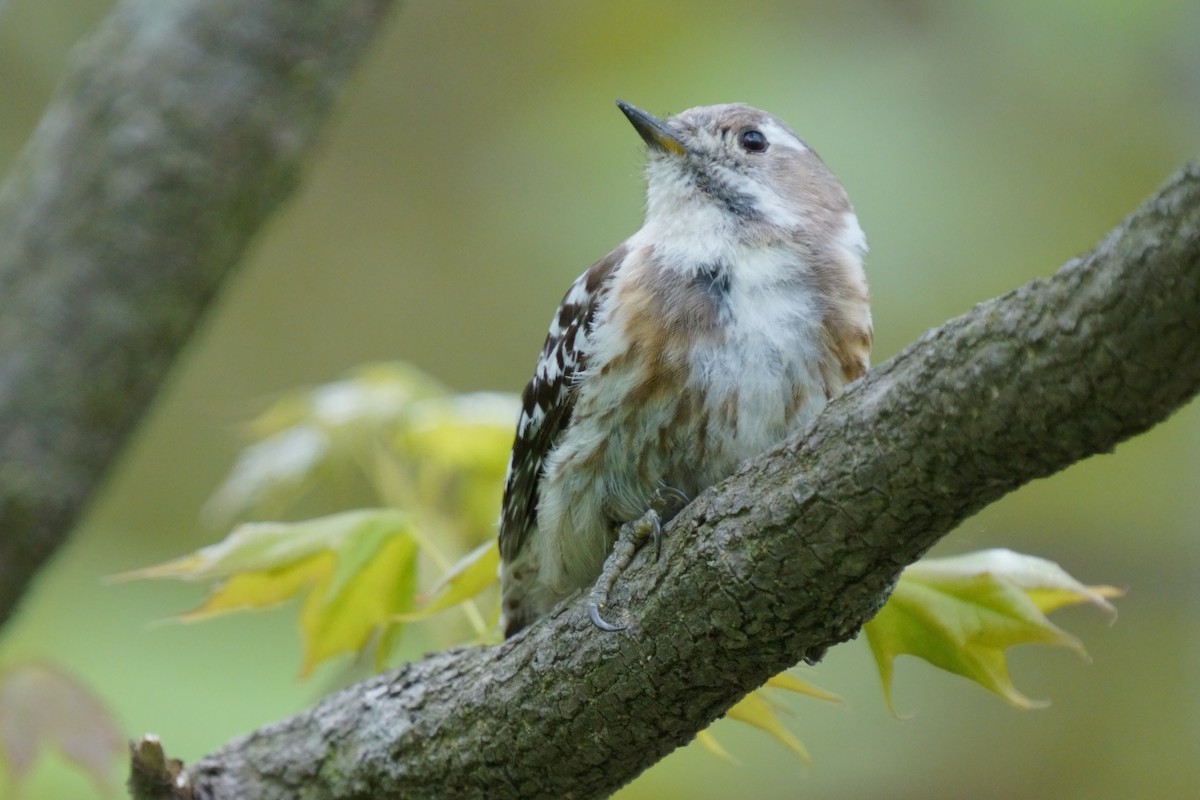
[{"x": 770, "y": 354}]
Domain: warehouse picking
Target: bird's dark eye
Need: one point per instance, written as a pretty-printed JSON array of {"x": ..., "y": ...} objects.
[{"x": 752, "y": 140}]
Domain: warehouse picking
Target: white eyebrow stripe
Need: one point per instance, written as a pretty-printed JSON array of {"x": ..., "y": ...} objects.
[{"x": 778, "y": 134}]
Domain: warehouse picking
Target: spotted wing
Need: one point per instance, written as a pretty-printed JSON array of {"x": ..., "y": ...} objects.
[{"x": 548, "y": 401}]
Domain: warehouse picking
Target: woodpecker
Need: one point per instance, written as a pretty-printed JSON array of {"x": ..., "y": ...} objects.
[{"x": 724, "y": 324}]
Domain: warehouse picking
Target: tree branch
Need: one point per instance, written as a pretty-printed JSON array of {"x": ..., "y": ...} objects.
[
  {"x": 181, "y": 126},
  {"x": 786, "y": 558}
]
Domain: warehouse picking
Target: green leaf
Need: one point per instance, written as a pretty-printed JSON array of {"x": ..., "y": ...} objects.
[
  {"x": 791, "y": 683},
  {"x": 455, "y": 450},
  {"x": 756, "y": 709},
  {"x": 709, "y": 742},
  {"x": 753, "y": 709},
  {"x": 344, "y": 620},
  {"x": 961, "y": 613},
  {"x": 356, "y": 571},
  {"x": 473, "y": 573},
  {"x": 308, "y": 439},
  {"x": 440, "y": 458}
]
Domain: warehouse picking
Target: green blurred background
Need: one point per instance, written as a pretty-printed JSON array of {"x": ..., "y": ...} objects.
[{"x": 477, "y": 164}]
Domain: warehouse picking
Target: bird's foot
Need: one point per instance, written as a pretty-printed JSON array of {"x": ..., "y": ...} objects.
[{"x": 632, "y": 537}]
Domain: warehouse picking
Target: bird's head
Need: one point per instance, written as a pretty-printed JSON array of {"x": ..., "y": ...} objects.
[{"x": 740, "y": 170}]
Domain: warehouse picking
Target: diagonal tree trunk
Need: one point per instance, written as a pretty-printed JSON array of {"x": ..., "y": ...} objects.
[
  {"x": 180, "y": 127},
  {"x": 786, "y": 558}
]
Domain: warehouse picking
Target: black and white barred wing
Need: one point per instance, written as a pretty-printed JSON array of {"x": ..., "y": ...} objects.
[{"x": 547, "y": 403}]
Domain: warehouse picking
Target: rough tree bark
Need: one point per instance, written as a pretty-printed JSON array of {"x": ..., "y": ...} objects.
[
  {"x": 783, "y": 560},
  {"x": 180, "y": 127}
]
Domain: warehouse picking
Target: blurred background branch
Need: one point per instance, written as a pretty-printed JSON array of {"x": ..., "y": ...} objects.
[{"x": 179, "y": 129}]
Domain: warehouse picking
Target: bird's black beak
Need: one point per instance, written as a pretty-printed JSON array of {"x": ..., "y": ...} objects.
[{"x": 656, "y": 132}]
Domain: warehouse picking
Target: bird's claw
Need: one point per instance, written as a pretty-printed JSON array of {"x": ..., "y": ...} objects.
[
  {"x": 599, "y": 621},
  {"x": 669, "y": 500}
]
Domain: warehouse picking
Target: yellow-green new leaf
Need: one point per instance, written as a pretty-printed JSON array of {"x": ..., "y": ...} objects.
[
  {"x": 369, "y": 395},
  {"x": 356, "y": 571},
  {"x": 1047, "y": 584},
  {"x": 753, "y": 709},
  {"x": 245, "y": 591},
  {"x": 457, "y": 448},
  {"x": 791, "y": 683},
  {"x": 714, "y": 747},
  {"x": 961, "y": 613},
  {"x": 756, "y": 709},
  {"x": 313, "y": 438},
  {"x": 343, "y": 620},
  {"x": 473, "y": 573}
]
